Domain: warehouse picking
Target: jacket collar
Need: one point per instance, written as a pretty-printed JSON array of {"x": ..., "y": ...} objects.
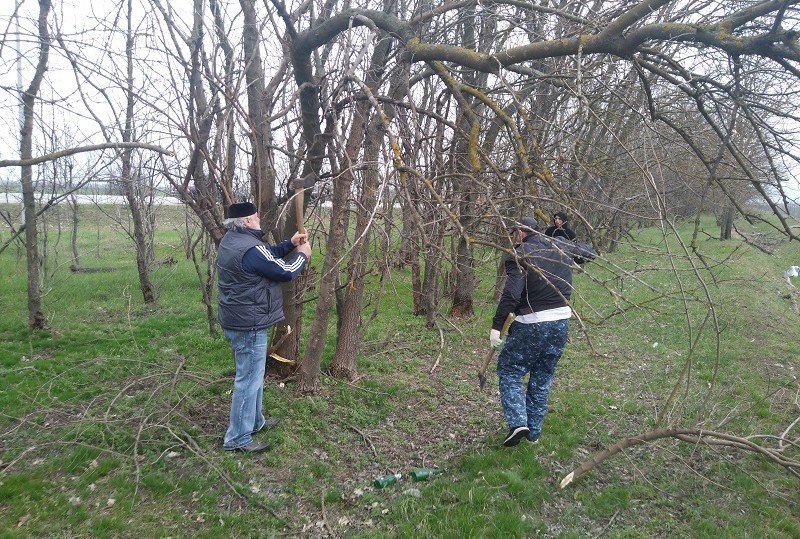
[{"x": 256, "y": 233}]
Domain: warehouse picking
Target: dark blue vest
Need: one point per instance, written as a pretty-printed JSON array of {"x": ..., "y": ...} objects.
[{"x": 247, "y": 301}]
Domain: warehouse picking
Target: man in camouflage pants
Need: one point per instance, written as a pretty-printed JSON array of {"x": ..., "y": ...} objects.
[{"x": 538, "y": 287}]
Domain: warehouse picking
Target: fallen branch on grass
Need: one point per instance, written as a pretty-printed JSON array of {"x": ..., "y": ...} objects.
[
  {"x": 74, "y": 268},
  {"x": 366, "y": 439},
  {"x": 695, "y": 436}
]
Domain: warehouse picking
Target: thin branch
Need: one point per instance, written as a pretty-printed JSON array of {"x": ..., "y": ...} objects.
[{"x": 80, "y": 149}]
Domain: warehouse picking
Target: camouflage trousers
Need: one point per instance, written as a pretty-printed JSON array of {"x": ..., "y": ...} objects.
[{"x": 535, "y": 349}]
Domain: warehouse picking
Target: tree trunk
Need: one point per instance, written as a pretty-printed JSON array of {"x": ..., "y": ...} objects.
[
  {"x": 73, "y": 212},
  {"x": 349, "y": 334},
  {"x": 310, "y": 366},
  {"x": 726, "y": 222},
  {"x": 408, "y": 253},
  {"x": 464, "y": 286},
  {"x": 203, "y": 199},
  {"x": 309, "y": 369},
  {"x": 73, "y": 207},
  {"x": 262, "y": 180},
  {"x": 417, "y": 285},
  {"x": 132, "y": 195},
  {"x": 499, "y": 280},
  {"x": 36, "y": 319},
  {"x": 433, "y": 269},
  {"x": 467, "y": 164},
  {"x": 206, "y": 282},
  {"x": 315, "y": 141},
  {"x": 411, "y": 243},
  {"x": 225, "y": 122}
]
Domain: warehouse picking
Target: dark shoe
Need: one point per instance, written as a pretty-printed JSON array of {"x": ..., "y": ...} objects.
[
  {"x": 252, "y": 447},
  {"x": 533, "y": 439},
  {"x": 515, "y": 434},
  {"x": 268, "y": 424}
]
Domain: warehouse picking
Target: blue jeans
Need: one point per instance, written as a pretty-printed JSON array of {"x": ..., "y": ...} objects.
[
  {"x": 250, "y": 353},
  {"x": 534, "y": 348}
]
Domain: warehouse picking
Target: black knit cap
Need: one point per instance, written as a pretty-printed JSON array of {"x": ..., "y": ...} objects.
[
  {"x": 241, "y": 209},
  {"x": 526, "y": 223},
  {"x": 562, "y": 215}
]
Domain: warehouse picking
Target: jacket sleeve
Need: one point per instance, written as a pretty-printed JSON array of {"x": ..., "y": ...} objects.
[
  {"x": 281, "y": 249},
  {"x": 262, "y": 260},
  {"x": 584, "y": 252},
  {"x": 580, "y": 252},
  {"x": 512, "y": 292}
]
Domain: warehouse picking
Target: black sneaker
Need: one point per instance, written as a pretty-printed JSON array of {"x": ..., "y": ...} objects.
[{"x": 515, "y": 434}]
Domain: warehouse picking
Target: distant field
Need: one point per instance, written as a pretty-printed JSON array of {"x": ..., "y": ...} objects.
[
  {"x": 86, "y": 198},
  {"x": 111, "y": 421}
]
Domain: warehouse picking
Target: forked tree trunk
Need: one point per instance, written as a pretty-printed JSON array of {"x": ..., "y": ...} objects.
[
  {"x": 36, "y": 319},
  {"x": 310, "y": 367}
]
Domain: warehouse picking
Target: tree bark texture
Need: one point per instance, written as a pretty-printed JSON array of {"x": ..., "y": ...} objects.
[
  {"x": 132, "y": 193},
  {"x": 36, "y": 318},
  {"x": 349, "y": 335},
  {"x": 309, "y": 369},
  {"x": 262, "y": 179},
  {"x": 73, "y": 209}
]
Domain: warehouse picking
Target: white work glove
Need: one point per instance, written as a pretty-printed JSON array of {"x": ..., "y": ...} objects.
[{"x": 495, "y": 340}]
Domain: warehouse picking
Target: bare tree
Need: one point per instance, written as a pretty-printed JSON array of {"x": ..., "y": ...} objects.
[
  {"x": 36, "y": 318},
  {"x": 142, "y": 243}
]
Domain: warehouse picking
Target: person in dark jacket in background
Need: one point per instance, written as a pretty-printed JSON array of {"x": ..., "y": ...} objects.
[
  {"x": 538, "y": 287},
  {"x": 560, "y": 228},
  {"x": 250, "y": 274}
]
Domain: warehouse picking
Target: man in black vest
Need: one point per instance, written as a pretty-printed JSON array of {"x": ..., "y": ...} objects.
[
  {"x": 250, "y": 274},
  {"x": 538, "y": 287}
]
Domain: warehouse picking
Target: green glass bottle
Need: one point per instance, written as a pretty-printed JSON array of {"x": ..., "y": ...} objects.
[
  {"x": 387, "y": 480},
  {"x": 422, "y": 474}
]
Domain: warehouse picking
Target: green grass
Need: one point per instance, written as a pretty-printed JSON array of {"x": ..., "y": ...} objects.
[{"x": 112, "y": 418}]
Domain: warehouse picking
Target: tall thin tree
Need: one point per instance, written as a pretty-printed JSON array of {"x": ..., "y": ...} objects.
[{"x": 36, "y": 318}]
